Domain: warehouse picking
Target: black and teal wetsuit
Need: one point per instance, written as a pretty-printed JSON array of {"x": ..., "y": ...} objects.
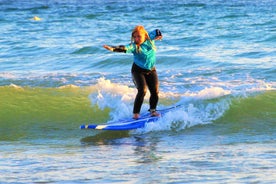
[{"x": 143, "y": 70}]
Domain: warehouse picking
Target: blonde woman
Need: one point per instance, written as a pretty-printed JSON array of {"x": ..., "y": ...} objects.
[{"x": 143, "y": 70}]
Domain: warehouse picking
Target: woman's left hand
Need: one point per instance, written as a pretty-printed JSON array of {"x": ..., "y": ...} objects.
[{"x": 158, "y": 38}]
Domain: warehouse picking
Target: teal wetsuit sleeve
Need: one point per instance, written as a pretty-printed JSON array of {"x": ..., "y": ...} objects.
[{"x": 130, "y": 48}]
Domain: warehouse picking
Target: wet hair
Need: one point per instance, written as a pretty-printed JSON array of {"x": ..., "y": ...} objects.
[{"x": 141, "y": 30}]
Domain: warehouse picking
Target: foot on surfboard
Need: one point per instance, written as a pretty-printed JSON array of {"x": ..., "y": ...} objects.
[
  {"x": 136, "y": 116},
  {"x": 154, "y": 113}
]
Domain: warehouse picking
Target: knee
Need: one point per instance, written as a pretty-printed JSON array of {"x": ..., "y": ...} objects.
[{"x": 142, "y": 91}]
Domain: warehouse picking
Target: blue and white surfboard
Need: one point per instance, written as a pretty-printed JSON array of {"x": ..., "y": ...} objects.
[{"x": 128, "y": 124}]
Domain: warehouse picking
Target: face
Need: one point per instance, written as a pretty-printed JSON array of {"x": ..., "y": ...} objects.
[{"x": 138, "y": 38}]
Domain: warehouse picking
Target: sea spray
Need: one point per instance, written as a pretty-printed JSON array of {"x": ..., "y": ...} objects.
[{"x": 114, "y": 96}]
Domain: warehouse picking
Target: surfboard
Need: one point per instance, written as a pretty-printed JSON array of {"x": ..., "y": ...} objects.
[{"x": 130, "y": 123}]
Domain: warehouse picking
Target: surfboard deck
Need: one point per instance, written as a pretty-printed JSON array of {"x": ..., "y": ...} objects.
[{"x": 130, "y": 123}]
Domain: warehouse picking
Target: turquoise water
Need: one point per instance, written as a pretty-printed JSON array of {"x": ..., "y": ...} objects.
[{"x": 216, "y": 59}]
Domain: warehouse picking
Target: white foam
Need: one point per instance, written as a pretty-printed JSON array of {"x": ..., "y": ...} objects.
[
  {"x": 117, "y": 97},
  {"x": 7, "y": 75},
  {"x": 209, "y": 93},
  {"x": 15, "y": 86},
  {"x": 187, "y": 116},
  {"x": 199, "y": 107},
  {"x": 69, "y": 86}
]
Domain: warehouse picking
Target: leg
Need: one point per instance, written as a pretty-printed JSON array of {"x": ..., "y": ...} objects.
[
  {"x": 140, "y": 83},
  {"x": 153, "y": 85}
]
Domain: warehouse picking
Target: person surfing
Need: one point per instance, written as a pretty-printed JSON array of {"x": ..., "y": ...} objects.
[{"x": 143, "y": 69}]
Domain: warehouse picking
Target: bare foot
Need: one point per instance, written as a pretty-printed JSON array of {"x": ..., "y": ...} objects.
[{"x": 136, "y": 116}]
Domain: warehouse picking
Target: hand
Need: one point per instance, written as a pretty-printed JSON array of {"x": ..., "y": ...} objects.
[
  {"x": 108, "y": 47},
  {"x": 158, "y": 38}
]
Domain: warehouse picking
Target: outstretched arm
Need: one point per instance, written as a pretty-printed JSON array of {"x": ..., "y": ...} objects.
[{"x": 120, "y": 48}]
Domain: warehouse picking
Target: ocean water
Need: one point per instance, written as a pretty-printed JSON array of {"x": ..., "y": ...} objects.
[{"x": 217, "y": 59}]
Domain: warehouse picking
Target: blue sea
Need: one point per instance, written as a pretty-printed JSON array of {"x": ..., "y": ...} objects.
[{"x": 217, "y": 59}]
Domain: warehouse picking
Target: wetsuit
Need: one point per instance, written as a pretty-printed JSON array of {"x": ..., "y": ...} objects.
[{"x": 143, "y": 71}]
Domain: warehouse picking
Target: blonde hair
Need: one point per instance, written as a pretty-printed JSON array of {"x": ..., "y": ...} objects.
[{"x": 140, "y": 29}]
